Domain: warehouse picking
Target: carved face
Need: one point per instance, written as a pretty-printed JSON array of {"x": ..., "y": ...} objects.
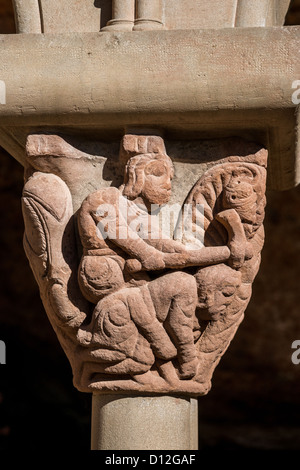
[
  {"x": 157, "y": 182},
  {"x": 149, "y": 176},
  {"x": 217, "y": 286},
  {"x": 242, "y": 195}
]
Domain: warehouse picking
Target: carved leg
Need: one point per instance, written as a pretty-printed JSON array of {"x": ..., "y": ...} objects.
[
  {"x": 144, "y": 316},
  {"x": 174, "y": 298}
]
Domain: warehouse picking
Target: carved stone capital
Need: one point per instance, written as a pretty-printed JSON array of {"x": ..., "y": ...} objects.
[{"x": 145, "y": 254}]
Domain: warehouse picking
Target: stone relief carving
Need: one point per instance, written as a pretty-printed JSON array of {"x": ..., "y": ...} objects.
[{"x": 136, "y": 310}]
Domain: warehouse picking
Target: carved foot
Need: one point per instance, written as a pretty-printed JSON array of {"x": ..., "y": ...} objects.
[{"x": 188, "y": 370}]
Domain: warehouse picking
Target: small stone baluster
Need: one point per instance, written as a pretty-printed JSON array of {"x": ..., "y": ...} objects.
[
  {"x": 122, "y": 16},
  {"x": 148, "y": 15}
]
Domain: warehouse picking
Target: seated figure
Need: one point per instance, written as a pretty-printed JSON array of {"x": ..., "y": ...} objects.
[{"x": 145, "y": 302}]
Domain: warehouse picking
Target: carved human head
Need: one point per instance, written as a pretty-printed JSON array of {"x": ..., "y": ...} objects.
[
  {"x": 148, "y": 171},
  {"x": 217, "y": 286}
]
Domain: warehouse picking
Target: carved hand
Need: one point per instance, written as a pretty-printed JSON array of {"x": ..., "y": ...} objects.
[{"x": 237, "y": 242}]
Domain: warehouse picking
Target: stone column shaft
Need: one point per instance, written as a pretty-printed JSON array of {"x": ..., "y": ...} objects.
[
  {"x": 27, "y": 16},
  {"x": 144, "y": 423},
  {"x": 253, "y": 13},
  {"x": 122, "y": 16},
  {"x": 148, "y": 15}
]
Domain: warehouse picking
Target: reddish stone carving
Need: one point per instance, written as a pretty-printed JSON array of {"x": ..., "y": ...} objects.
[{"x": 136, "y": 311}]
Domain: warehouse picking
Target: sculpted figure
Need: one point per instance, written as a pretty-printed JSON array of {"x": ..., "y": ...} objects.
[
  {"x": 114, "y": 269},
  {"x": 223, "y": 292},
  {"x": 138, "y": 311},
  {"x": 216, "y": 287}
]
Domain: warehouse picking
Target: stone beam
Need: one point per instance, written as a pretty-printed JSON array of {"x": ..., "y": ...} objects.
[
  {"x": 217, "y": 81},
  {"x": 100, "y": 72}
]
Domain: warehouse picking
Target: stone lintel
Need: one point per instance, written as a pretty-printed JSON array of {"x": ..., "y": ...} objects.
[{"x": 216, "y": 82}]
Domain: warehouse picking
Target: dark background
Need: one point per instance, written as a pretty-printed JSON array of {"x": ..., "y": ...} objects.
[{"x": 255, "y": 400}]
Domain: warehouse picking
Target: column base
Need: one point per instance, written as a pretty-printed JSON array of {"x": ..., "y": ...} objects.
[
  {"x": 146, "y": 25},
  {"x": 121, "y": 422},
  {"x": 118, "y": 25}
]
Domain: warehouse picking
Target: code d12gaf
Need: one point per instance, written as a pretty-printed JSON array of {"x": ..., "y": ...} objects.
[{"x": 151, "y": 459}]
